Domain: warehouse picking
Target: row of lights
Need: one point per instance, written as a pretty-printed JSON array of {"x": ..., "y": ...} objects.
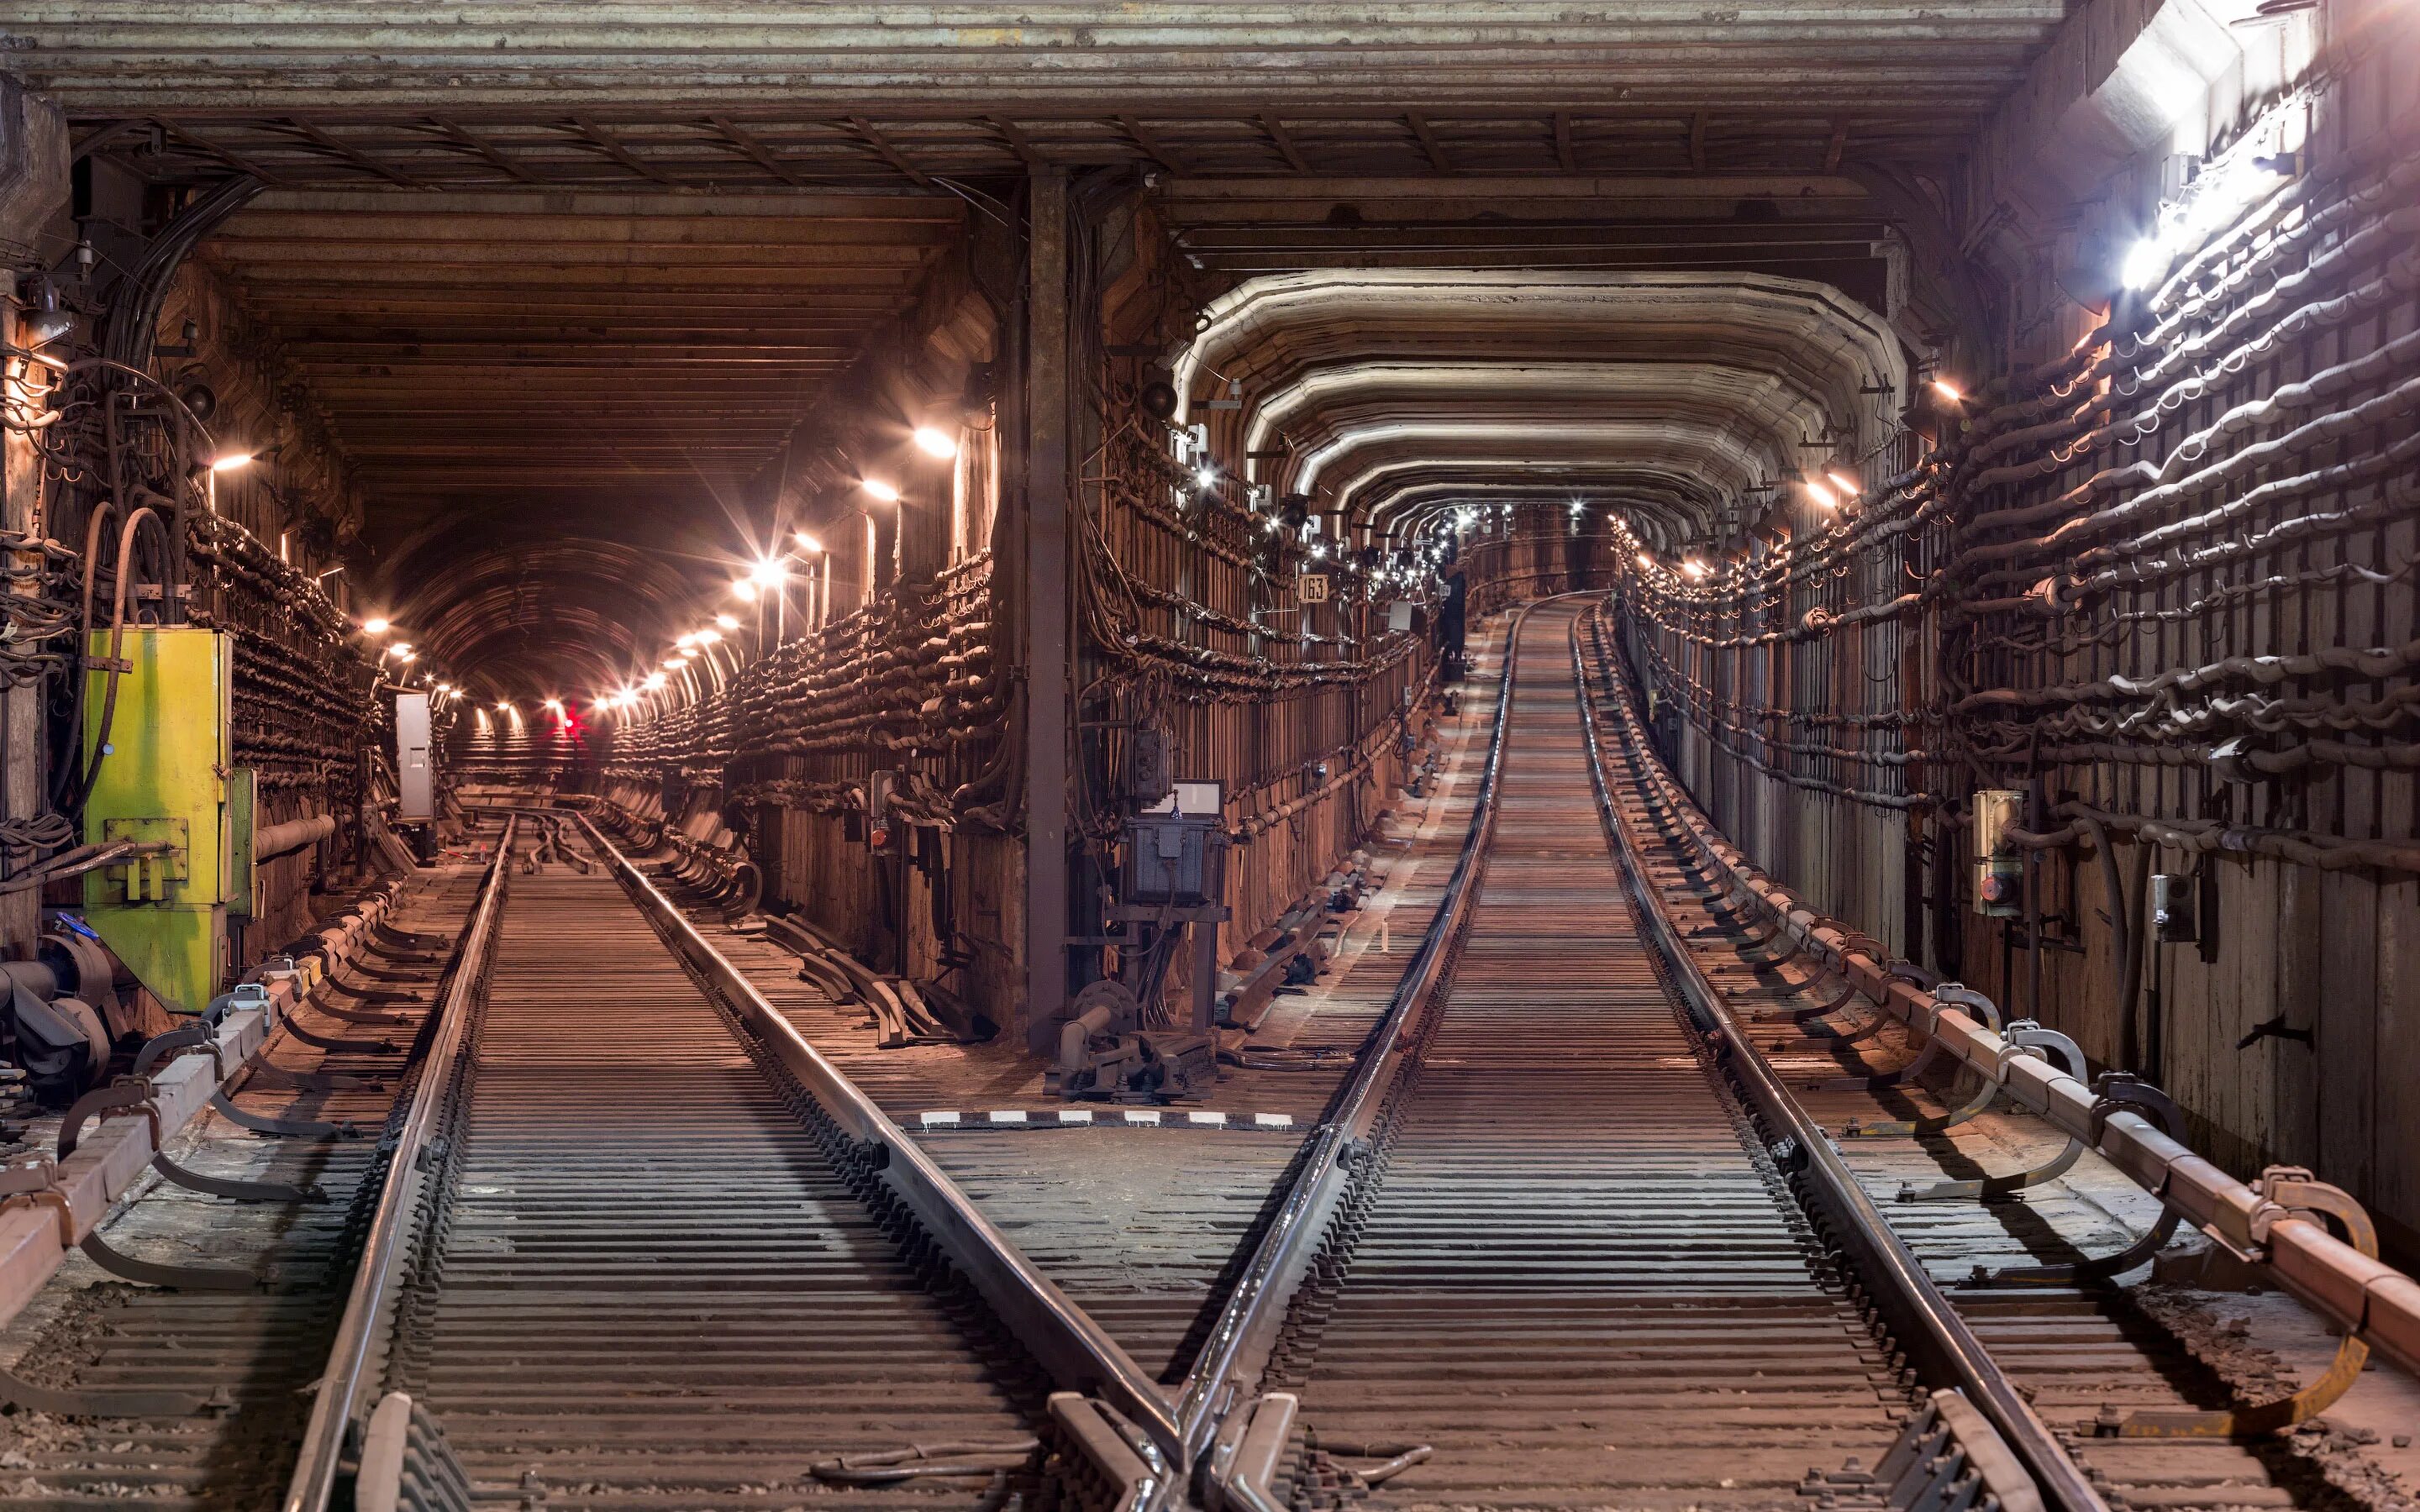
[{"x": 768, "y": 575}]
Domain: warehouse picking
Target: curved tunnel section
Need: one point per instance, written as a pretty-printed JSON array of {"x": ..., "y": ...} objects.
[{"x": 1690, "y": 402}]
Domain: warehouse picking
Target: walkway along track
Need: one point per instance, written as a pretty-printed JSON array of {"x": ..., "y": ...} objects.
[
  {"x": 646, "y": 1249},
  {"x": 1554, "y": 1238}
]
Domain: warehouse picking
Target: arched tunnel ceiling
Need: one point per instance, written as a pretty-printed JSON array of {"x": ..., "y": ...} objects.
[
  {"x": 1669, "y": 392},
  {"x": 524, "y": 611},
  {"x": 547, "y": 397}
]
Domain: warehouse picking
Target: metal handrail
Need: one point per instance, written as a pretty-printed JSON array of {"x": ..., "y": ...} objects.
[
  {"x": 1921, "y": 1317},
  {"x": 369, "y": 1304},
  {"x": 1242, "y": 1339},
  {"x": 1074, "y": 1351}
]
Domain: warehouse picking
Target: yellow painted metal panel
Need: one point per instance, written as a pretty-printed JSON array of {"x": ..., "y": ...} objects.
[{"x": 163, "y": 777}]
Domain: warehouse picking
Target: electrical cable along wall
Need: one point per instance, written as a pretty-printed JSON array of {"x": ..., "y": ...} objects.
[
  {"x": 1224, "y": 622},
  {"x": 124, "y": 534},
  {"x": 2159, "y": 589}
]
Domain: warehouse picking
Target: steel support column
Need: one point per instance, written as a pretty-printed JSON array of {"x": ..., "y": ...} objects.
[{"x": 1047, "y": 719}]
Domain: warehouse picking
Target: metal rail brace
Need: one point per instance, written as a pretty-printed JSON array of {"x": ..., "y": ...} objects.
[
  {"x": 2025, "y": 1038},
  {"x": 2115, "y": 1091},
  {"x": 132, "y": 1095},
  {"x": 1957, "y": 996},
  {"x": 2302, "y": 1194}
]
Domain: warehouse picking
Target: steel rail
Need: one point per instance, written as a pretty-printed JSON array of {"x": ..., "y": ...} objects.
[
  {"x": 1938, "y": 1340},
  {"x": 369, "y": 1305},
  {"x": 2374, "y": 1302},
  {"x": 1241, "y": 1342},
  {"x": 1076, "y": 1353}
]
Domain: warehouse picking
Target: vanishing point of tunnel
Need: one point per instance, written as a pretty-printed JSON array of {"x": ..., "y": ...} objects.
[{"x": 1259, "y": 757}]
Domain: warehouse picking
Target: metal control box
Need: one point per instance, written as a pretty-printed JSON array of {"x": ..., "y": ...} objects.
[
  {"x": 166, "y": 759},
  {"x": 1177, "y": 849},
  {"x": 415, "y": 783}
]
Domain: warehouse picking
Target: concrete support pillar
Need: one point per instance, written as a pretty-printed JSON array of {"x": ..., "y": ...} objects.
[{"x": 1048, "y": 722}]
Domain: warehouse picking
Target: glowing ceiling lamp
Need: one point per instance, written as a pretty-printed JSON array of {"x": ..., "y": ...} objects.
[
  {"x": 1948, "y": 391},
  {"x": 877, "y": 489},
  {"x": 230, "y": 462},
  {"x": 808, "y": 543},
  {"x": 936, "y": 443},
  {"x": 728, "y": 622},
  {"x": 1822, "y": 496},
  {"x": 1847, "y": 483},
  {"x": 655, "y": 681},
  {"x": 376, "y": 626},
  {"x": 743, "y": 590},
  {"x": 769, "y": 572}
]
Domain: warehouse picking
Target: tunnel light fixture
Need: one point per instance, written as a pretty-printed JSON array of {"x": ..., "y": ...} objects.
[
  {"x": 1206, "y": 476},
  {"x": 727, "y": 622},
  {"x": 2145, "y": 263},
  {"x": 769, "y": 572},
  {"x": 406, "y": 655},
  {"x": 1645, "y": 562},
  {"x": 877, "y": 489},
  {"x": 1948, "y": 391},
  {"x": 374, "y": 625},
  {"x": 808, "y": 544},
  {"x": 1694, "y": 567},
  {"x": 934, "y": 442},
  {"x": 1846, "y": 482},
  {"x": 743, "y": 590},
  {"x": 655, "y": 681},
  {"x": 231, "y": 461},
  {"x": 708, "y": 638},
  {"x": 1319, "y": 551},
  {"x": 687, "y": 641},
  {"x": 1822, "y": 495}
]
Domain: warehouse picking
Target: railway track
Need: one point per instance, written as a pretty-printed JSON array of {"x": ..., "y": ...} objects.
[
  {"x": 640, "y": 1246},
  {"x": 649, "y": 1250},
  {"x": 1563, "y": 1267},
  {"x": 183, "y": 1397},
  {"x": 2103, "y": 1362}
]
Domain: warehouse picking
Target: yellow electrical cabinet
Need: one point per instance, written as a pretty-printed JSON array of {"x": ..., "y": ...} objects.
[{"x": 165, "y": 760}]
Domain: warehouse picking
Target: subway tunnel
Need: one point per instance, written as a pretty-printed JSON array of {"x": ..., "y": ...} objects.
[{"x": 1279, "y": 757}]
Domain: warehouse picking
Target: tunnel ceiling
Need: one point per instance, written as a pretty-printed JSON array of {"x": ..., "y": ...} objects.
[
  {"x": 505, "y": 370},
  {"x": 573, "y": 272},
  {"x": 658, "y": 93},
  {"x": 1667, "y": 395}
]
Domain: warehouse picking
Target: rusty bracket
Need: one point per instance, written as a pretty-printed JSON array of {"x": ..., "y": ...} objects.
[
  {"x": 2027, "y": 1039},
  {"x": 31, "y": 1181},
  {"x": 2116, "y": 1091},
  {"x": 2290, "y": 1191}
]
